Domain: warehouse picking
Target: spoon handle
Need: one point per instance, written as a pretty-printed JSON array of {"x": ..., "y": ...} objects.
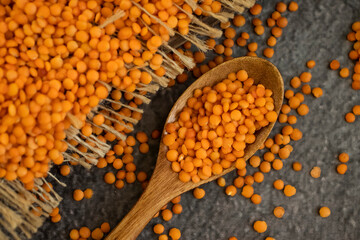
[
  {"x": 134, "y": 222},
  {"x": 158, "y": 193}
]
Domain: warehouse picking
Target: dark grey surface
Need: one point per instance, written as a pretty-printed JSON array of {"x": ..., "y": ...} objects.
[{"x": 317, "y": 31}]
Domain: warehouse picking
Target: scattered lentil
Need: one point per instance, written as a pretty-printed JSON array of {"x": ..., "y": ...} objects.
[
  {"x": 341, "y": 168},
  {"x": 199, "y": 193},
  {"x": 297, "y": 166},
  {"x": 343, "y": 157},
  {"x": 324, "y": 212},
  {"x": 279, "y": 212},
  {"x": 289, "y": 191},
  {"x": 315, "y": 172},
  {"x": 260, "y": 226}
]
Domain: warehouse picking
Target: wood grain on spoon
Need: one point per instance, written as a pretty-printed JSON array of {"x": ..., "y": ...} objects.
[{"x": 164, "y": 184}]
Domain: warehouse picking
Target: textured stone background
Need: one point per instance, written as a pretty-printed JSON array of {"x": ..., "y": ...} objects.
[{"x": 317, "y": 31}]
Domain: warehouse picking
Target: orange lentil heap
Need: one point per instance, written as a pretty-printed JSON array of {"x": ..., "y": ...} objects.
[
  {"x": 59, "y": 59},
  {"x": 50, "y": 80},
  {"x": 49, "y": 70},
  {"x": 214, "y": 128}
]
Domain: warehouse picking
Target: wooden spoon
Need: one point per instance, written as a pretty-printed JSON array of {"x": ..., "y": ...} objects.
[{"x": 164, "y": 184}]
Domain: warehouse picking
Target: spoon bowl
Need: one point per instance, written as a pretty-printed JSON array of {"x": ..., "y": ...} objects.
[{"x": 164, "y": 184}]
